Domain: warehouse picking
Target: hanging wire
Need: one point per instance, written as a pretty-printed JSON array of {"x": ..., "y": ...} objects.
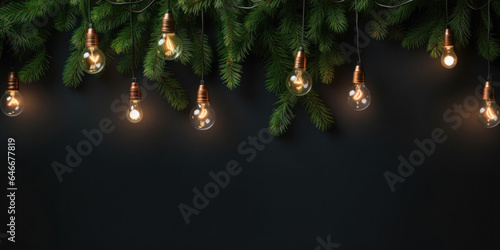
[
  {"x": 474, "y": 8},
  {"x": 357, "y": 30},
  {"x": 246, "y": 8},
  {"x": 90, "y": 16},
  {"x": 394, "y": 6},
  {"x": 133, "y": 46},
  {"x": 303, "y": 20},
  {"x": 130, "y": 10},
  {"x": 447, "y": 18},
  {"x": 202, "y": 41},
  {"x": 168, "y": 4},
  {"x": 489, "y": 45},
  {"x": 125, "y": 3}
]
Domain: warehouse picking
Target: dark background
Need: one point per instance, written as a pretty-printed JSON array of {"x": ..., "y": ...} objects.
[{"x": 304, "y": 185}]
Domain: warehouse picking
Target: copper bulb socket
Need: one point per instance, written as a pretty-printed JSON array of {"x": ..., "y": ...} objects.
[
  {"x": 91, "y": 38},
  {"x": 168, "y": 23},
  {"x": 202, "y": 96},
  {"x": 448, "y": 38},
  {"x": 358, "y": 76},
  {"x": 488, "y": 91},
  {"x": 12, "y": 81},
  {"x": 300, "y": 60},
  {"x": 134, "y": 92}
]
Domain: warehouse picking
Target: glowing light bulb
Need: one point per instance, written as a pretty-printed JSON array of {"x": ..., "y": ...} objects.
[
  {"x": 134, "y": 112},
  {"x": 12, "y": 103},
  {"x": 202, "y": 115},
  {"x": 93, "y": 60},
  {"x": 489, "y": 111},
  {"x": 299, "y": 81},
  {"x": 359, "y": 97},
  {"x": 449, "y": 58},
  {"x": 169, "y": 46}
]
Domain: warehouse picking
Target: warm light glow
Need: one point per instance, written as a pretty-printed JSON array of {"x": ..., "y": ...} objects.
[
  {"x": 298, "y": 82},
  {"x": 449, "y": 60},
  {"x": 169, "y": 45},
  {"x": 134, "y": 114},
  {"x": 358, "y": 95},
  {"x": 203, "y": 113},
  {"x": 13, "y": 101},
  {"x": 491, "y": 114}
]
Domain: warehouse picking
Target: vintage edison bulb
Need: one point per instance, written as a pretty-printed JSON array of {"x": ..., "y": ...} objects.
[
  {"x": 449, "y": 59},
  {"x": 489, "y": 113},
  {"x": 202, "y": 116},
  {"x": 299, "y": 82},
  {"x": 134, "y": 112},
  {"x": 169, "y": 46},
  {"x": 93, "y": 60},
  {"x": 359, "y": 97},
  {"x": 12, "y": 103}
]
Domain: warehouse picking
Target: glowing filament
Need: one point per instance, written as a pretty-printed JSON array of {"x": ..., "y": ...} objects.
[
  {"x": 169, "y": 46},
  {"x": 491, "y": 114},
  {"x": 134, "y": 114},
  {"x": 203, "y": 114},
  {"x": 358, "y": 95},
  {"x": 449, "y": 60},
  {"x": 298, "y": 83},
  {"x": 13, "y": 102}
]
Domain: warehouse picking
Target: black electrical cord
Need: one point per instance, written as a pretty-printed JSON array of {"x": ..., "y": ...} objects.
[
  {"x": 303, "y": 20},
  {"x": 202, "y": 41},
  {"x": 357, "y": 30},
  {"x": 489, "y": 45},
  {"x": 90, "y": 16},
  {"x": 474, "y": 8},
  {"x": 133, "y": 46},
  {"x": 394, "y": 6},
  {"x": 447, "y": 17},
  {"x": 130, "y": 10}
]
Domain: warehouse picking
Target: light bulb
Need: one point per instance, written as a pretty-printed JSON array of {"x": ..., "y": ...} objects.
[
  {"x": 489, "y": 111},
  {"x": 12, "y": 102},
  {"x": 134, "y": 112},
  {"x": 169, "y": 46},
  {"x": 449, "y": 58},
  {"x": 299, "y": 81},
  {"x": 93, "y": 60},
  {"x": 202, "y": 115},
  {"x": 359, "y": 97}
]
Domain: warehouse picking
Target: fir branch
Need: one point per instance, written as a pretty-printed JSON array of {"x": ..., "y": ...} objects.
[
  {"x": 283, "y": 115},
  {"x": 171, "y": 89},
  {"x": 35, "y": 68},
  {"x": 320, "y": 115}
]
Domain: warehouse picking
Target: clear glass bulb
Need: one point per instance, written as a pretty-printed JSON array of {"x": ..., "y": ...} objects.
[
  {"x": 489, "y": 113},
  {"x": 93, "y": 60},
  {"x": 449, "y": 59},
  {"x": 299, "y": 82},
  {"x": 359, "y": 97},
  {"x": 169, "y": 46},
  {"x": 12, "y": 103},
  {"x": 202, "y": 116},
  {"x": 134, "y": 112}
]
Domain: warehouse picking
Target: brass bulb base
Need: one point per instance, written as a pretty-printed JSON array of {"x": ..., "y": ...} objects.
[
  {"x": 488, "y": 91},
  {"x": 300, "y": 59},
  {"x": 358, "y": 77},
  {"x": 168, "y": 23},
  {"x": 91, "y": 38},
  {"x": 12, "y": 81},
  {"x": 134, "y": 92},
  {"x": 202, "y": 96},
  {"x": 448, "y": 38}
]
